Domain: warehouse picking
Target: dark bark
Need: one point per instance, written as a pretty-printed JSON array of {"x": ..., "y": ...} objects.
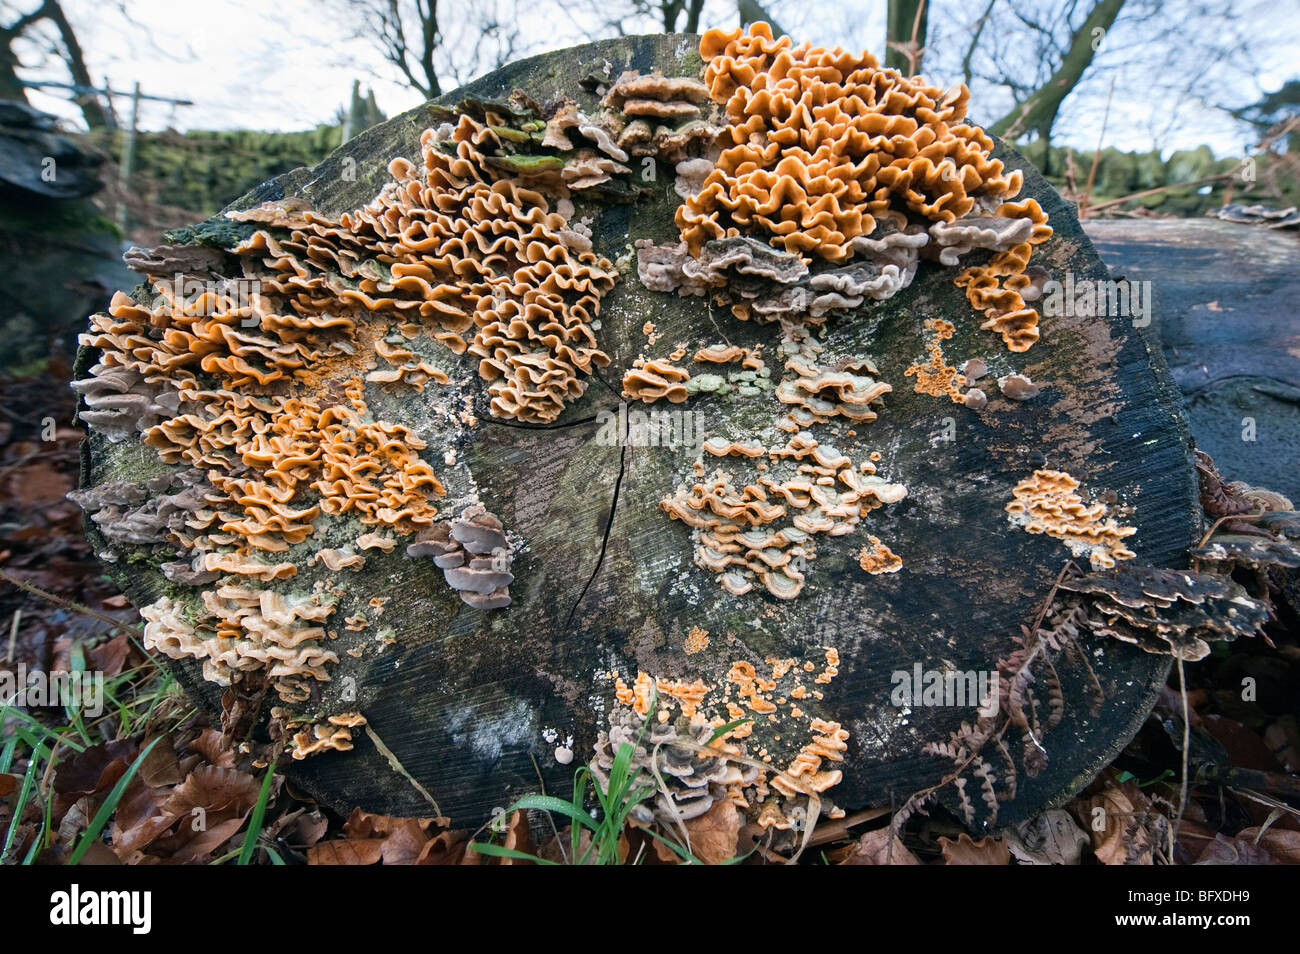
[{"x": 905, "y": 29}]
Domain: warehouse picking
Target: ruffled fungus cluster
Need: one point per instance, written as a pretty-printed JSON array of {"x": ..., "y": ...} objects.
[
  {"x": 252, "y": 385},
  {"x": 736, "y": 741},
  {"x": 1047, "y": 503},
  {"x": 827, "y": 155},
  {"x": 828, "y": 183},
  {"x": 765, "y": 531},
  {"x": 241, "y": 629}
]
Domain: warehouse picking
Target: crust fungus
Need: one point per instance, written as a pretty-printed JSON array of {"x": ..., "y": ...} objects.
[
  {"x": 258, "y": 400},
  {"x": 825, "y": 154},
  {"x": 1172, "y": 612},
  {"x": 878, "y": 558},
  {"x": 241, "y": 630},
  {"x": 1047, "y": 503},
  {"x": 695, "y": 772}
]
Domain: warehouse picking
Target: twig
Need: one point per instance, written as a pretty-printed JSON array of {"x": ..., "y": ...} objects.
[
  {"x": 13, "y": 636},
  {"x": 1224, "y": 519},
  {"x": 397, "y": 767},
  {"x": 838, "y": 828},
  {"x": 1096, "y": 154},
  {"x": 1187, "y": 744},
  {"x": 68, "y": 604},
  {"x": 1173, "y": 185}
]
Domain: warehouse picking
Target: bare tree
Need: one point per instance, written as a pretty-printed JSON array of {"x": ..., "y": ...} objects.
[
  {"x": 60, "y": 40},
  {"x": 435, "y": 42},
  {"x": 1044, "y": 68}
]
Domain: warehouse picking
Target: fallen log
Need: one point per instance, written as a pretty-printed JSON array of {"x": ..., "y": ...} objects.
[{"x": 359, "y": 492}]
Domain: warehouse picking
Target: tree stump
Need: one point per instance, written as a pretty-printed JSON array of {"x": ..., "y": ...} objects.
[{"x": 481, "y": 705}]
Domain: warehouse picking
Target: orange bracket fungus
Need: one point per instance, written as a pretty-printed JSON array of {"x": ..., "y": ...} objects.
[{"x": 360, "y": 448}]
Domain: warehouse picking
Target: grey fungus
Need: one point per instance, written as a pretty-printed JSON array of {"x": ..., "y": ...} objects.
[{"x": 1018, "y": 387}]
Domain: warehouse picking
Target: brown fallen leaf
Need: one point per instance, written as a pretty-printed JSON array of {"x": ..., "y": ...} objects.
[
  {"x": 110, "y": 657},
  {"x": 365, "y": 825},
  {"x": 1276, "y": 846},
  {"x": 213, "y": 748},
  {"x": 1051, "y": 838},
  {"x": 140, "y": 819},
  {"x": 714, "y": 835},
  {"x": 403, "y": 843},
  {"x": 299, "y": 828},
  {"x": 445, "y": 848},
  {"x": 208, "y": 842},
  {"x": 880, "y": 847},
  {"x": 9, "y": 784},
  {"x": 966, "y": 851},
  {"x": 364, "y": 851},
  {"x": 1123, "y": 824},
  {"x": 519, "y": 837},
  {"x": 160, "y": 767},
  {"x": 100, "y": 854}
]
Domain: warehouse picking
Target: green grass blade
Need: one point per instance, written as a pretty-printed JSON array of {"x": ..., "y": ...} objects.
[
  {"x": 722, "y": 730},
  {"x": 259, "y": 814},
  {"x": 24, "y": 795},
  {"x": 110, "y": 805},
  {"x": 496, "y": 851},
  {"x": 549, "y": 803}
]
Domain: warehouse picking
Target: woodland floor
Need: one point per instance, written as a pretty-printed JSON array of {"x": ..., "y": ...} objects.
[{"x": 58, "y": 770}]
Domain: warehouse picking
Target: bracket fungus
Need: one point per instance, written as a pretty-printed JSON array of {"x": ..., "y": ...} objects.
[
  {"x": 1046, "y": 502},
  {"x": 1173, "y": 612}
]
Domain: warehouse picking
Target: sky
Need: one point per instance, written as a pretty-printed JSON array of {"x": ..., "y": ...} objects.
[{"x": 290, "y": 64}]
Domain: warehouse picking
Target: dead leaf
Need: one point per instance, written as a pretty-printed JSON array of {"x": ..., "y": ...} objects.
[
  {"x": 715, "y": 834},
  {"x": 403, "y": 844},
  {"x": 160, "y": 766},
  {"x": 519, "y": 837},
  {"x": 1233, "y": 851},
  {"x": 966, "y": 851},
  {"x": 1276, "y": 846},
  {"x": 444, "y": 848},
  {"x": 880, "y": 847},
  {"x": 365, "y": 825},
  {"x": 100, "y": 854},
  {"x": 109, "y": 657},
  {"x": 1123, "y": 824},
  {"x": 214, "y": 790},
  {"x": 212, "y": 746},
  {"x": 363, "y": 851},
  {"x": 207, "y": 843},
  {"x": 300, "y": 828},
  {"x": 1051, "y": 838}
]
